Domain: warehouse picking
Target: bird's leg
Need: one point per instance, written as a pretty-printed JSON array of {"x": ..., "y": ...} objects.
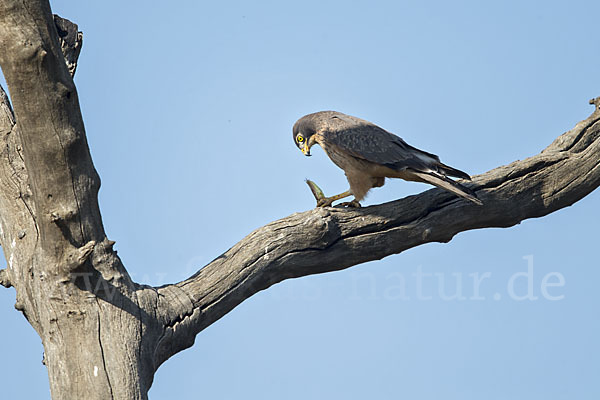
[
  {"x": 326, "y": 201},
  {"x": 323, "y": 201}
]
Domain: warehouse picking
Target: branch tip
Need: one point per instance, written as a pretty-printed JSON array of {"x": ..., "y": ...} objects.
[
  {"x": 4, "y": 279},
  {"x": 70, "y": 39},
  {"x": 83, "y": 253},
  {"x": 57, "y": 217},
  {"x": 78, "y": 256}
]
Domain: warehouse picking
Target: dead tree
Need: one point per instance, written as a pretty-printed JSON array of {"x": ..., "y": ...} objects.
[{"x": 104, "y": 336}]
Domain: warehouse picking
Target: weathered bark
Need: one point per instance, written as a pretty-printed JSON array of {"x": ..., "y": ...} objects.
[
  {"x": 330, "y": 239},
  {"x": 104, "y": 336},
  {"x": 70, "y": 284}
]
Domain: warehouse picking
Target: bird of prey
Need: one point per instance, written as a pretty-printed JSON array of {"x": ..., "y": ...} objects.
[{"x": 368, "y": 154}]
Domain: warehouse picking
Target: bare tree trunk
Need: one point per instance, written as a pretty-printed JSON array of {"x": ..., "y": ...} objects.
[
  {"x": 104, "y": 336},
  {"x": 70, "y": 284}
]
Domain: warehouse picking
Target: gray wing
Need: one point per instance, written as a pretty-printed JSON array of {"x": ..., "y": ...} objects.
[{"x": 367, "y": 141}]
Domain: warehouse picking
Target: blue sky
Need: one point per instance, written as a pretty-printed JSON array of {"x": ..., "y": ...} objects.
[{"x": 188, "y": 109}]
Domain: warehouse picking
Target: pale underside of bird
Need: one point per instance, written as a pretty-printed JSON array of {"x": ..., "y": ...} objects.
[{"x": 368, "y": 154}]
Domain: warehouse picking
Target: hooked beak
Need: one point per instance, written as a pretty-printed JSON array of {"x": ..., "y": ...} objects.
[{"x": 306, "y": 150}]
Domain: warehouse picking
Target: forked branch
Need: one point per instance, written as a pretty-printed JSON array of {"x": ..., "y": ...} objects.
[{"x": 52, "y": 229}]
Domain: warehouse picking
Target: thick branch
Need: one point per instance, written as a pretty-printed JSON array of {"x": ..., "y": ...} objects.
[
  {"x": 330, "y": 239},
  {"x": 61, "y": 174},
  {"x": 70, "y": 284}
]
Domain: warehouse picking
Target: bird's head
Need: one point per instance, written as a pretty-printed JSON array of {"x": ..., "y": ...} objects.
[{"x": 303, "y": 133}]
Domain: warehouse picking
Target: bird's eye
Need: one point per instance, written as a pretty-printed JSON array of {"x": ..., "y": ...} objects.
[{"x": 300, "y": 139}]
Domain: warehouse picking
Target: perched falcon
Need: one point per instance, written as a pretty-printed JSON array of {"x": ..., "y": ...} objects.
[{"x": 368, "y": 154}]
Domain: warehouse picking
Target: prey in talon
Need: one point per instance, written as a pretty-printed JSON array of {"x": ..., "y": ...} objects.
[
  {"x": 322, "y": 200},
  {"x": 368, "y": 154}
]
